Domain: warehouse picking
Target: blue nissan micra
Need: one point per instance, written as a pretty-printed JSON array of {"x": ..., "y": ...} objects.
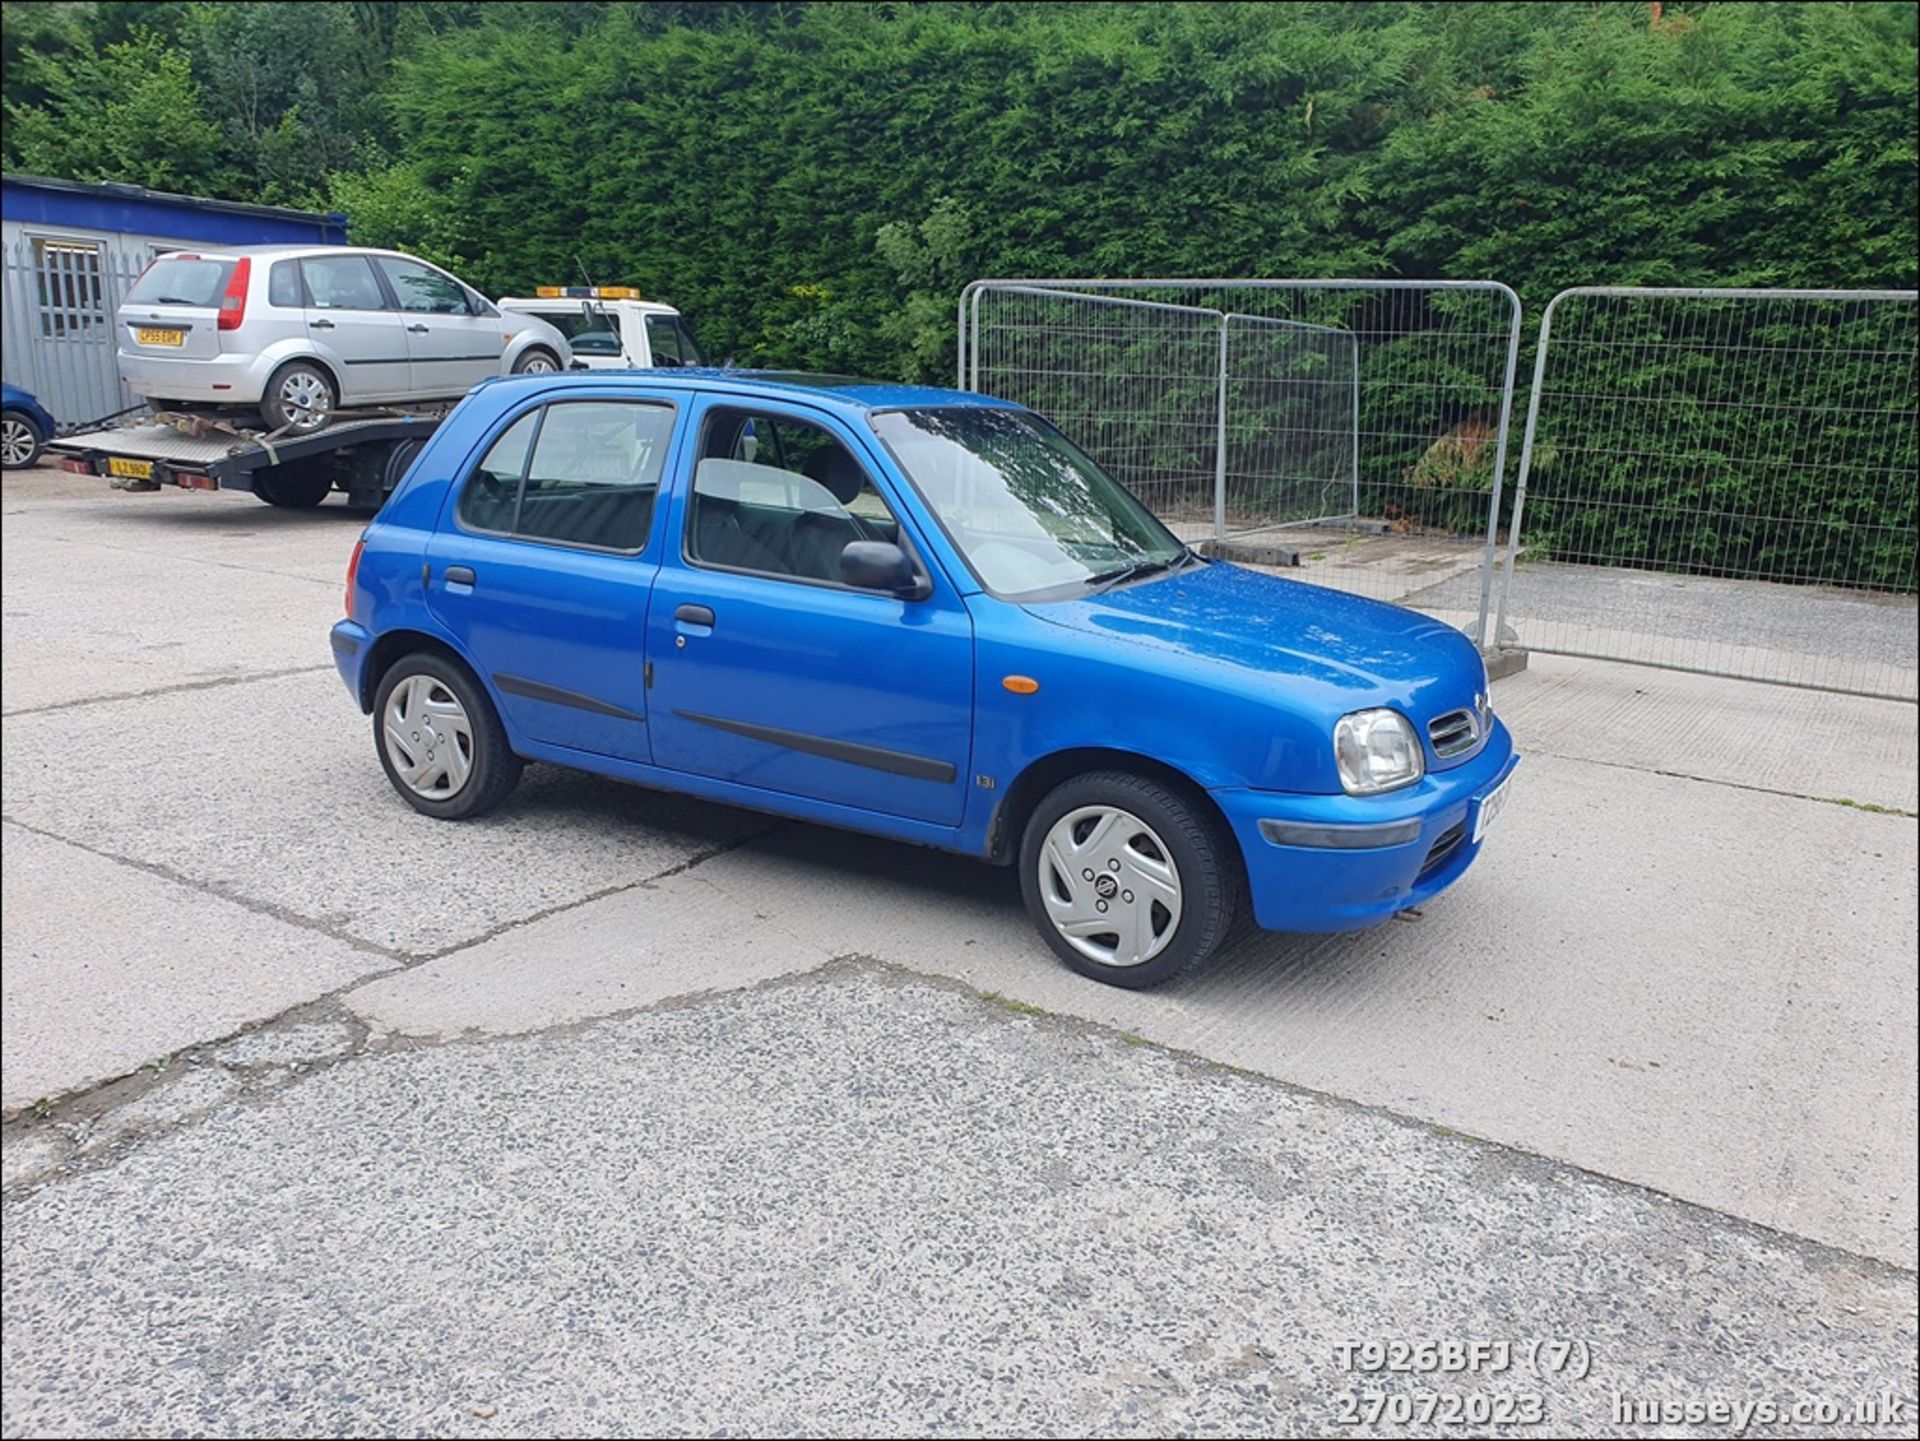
[{"x": 920, "y": 613}]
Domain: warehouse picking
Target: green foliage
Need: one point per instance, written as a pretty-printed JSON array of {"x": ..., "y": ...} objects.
[
  {"x": 814, "y": 183},
  {"x": 129, "y": 112}
]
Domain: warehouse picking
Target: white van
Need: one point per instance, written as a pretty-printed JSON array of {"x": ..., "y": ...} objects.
[{"x": 611, "y": 328}]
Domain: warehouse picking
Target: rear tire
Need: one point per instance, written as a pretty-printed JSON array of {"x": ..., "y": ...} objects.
[
  {"x": 440, "y": 740},
  {"x": 1127, "y": 879},
  {"x": 300, "y": 398},
  {"x": 293, "y": 490},
  {"x": 20, "y": 440}
]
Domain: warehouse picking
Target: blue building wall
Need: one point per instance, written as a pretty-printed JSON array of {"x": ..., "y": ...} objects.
[{"x": 131, "y": 210}]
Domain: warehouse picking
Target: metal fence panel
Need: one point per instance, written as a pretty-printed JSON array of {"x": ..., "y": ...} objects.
[
  {"x": 1384, "y": 480},
  {"x": 1135, "y": 383},
  {"x": 59, "y": 300},
  {"x": 1722, "y": 481},
  {"x": 1290, "y": 394}
]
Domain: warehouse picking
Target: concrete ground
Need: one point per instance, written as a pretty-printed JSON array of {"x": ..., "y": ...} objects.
[{"x": 619, "y": 1112}]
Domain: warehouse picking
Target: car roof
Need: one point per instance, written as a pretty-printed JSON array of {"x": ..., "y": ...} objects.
[
  {"x": 847, "y": 390},
  {"x": 234, "y": 252}
]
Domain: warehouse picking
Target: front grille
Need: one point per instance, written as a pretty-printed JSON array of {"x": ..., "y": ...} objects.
[
  {"x": 1448, "y": 843},
  {"x": 1453, "y": 733}
]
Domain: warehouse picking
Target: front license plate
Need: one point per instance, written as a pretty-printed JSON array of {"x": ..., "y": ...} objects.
[
  {"x": 148, "y": 335},
  {"x": 132, "y": 469},
  {"x": 1491, "y": 805}
]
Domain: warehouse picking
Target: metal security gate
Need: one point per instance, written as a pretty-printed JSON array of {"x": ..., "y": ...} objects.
[
  {"x": 1222, "y": 423},
  {"x": 1356, "y": 429},
  {"x": 60, "y": 296},
  {"x": 1722, "y": 481}
]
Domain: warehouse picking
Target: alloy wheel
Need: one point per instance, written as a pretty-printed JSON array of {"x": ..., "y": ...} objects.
[{"x": 16, "y": 442}]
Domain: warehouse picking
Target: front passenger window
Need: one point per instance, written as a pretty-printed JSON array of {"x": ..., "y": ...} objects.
[
  {"x": 780, "y": 497},
  {"x": 424, "y": 290}
]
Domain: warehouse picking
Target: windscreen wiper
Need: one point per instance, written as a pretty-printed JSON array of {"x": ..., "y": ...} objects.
[{"x": 1137, "y": 570}]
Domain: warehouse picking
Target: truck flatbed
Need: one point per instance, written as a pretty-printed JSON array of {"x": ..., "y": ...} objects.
[{"x": 363, "y": 455}]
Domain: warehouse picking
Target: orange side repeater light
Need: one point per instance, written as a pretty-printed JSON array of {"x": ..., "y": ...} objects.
[{"x": 1021, "y": 684}]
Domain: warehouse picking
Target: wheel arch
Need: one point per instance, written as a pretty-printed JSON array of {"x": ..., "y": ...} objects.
[
  {"x": 1031, "y": 786},
  {"x": 395, "y": 643},
  {"x": 304, "y": 357}
]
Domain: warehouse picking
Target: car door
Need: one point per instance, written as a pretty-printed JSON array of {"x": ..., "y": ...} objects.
[
  {"x": 451, "y": 348},
  {"x": 770, "y": 672},
  {"x": 350, "y": 323},
  {"x": 543, "y": 562}
]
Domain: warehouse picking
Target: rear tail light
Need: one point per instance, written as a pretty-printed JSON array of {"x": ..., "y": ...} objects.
[
  {"x": 233, "y": 304},
  {"x": 353, "y": 574}
]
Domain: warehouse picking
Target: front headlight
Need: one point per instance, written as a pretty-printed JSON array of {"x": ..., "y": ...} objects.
[{"x": 1376, "y": 750}]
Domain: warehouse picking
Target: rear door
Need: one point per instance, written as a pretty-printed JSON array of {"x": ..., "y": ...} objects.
[
  {"x": 451, "y": 348},
  {"x": 173, "y": 310},
  {"x": 544, "y": 562},
  {"x": 352, "y": 325}
]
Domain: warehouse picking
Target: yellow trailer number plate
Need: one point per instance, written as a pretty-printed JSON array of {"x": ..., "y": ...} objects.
[
  {"x": 147, "y": 336},
  {"x": 132, "y": 469}
]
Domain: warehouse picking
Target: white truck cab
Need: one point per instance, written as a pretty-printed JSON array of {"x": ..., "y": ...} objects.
[{"x": 611, "y": 328}]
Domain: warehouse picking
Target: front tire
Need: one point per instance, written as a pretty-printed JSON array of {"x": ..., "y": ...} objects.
[
  {"x": 440, "y": 741},
  {"x": 300, "y": 398},
  {"x": 535, "y": 361},
  {"x": 20, "y": 440},
  {"x": 1127, "y": 879}
]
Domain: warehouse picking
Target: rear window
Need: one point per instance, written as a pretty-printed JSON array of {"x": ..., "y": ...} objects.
[
  {"x": 179, "y": 280},
  {"x": 588, "y": 331}
]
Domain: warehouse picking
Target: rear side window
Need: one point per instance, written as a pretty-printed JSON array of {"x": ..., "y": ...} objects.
[
  {"x": 181, "y": 280},
  {"x": 493, "y": 490},
  {"x": 588, "y": 331},
  {"x": 283, "y": 284},
  {"x": 342, "y": 282},
  {"x": 580, "y": 472}
]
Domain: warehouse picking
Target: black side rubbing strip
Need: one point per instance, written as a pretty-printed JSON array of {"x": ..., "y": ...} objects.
[
  {"x": 536, "y": 690},
  {"x": 898, "y": 763}
]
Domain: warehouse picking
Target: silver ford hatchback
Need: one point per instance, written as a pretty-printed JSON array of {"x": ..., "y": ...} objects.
[{"x": 301, "y": 331}]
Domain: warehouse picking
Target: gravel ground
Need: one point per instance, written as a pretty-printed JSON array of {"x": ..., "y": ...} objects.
[{"x": 854, "y": 1203}]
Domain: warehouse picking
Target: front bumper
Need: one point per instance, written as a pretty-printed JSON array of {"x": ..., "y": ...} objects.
[{"x": 1340, "y": 863}]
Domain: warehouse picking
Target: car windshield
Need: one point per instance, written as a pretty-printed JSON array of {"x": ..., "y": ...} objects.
[
  {"x": 181, "y": 280},
  {"x": 1034, "y": 515}
]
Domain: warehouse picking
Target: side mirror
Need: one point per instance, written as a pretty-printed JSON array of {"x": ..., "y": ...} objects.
[{"x": 881, "y": 565}]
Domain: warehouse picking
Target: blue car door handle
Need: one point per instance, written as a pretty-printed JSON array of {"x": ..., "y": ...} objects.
[
  {"x": 695, "y": 614},
  {"x": 459, "y": 575}
]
